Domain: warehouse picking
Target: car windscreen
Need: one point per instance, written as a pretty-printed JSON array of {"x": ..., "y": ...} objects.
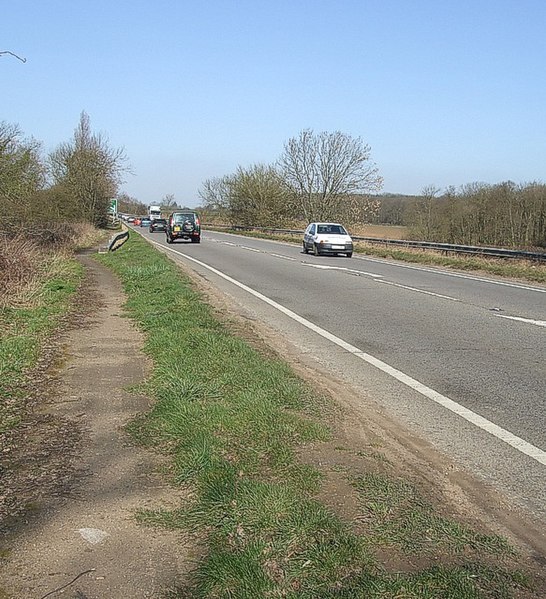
[
  {"x": 180, "y": 218},
  {"x": 160, "y": 221},
  {"x": 331, "y": 229}
]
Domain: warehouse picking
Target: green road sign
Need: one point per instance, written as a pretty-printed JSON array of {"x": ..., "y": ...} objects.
[{"x": 113, "y": 208}]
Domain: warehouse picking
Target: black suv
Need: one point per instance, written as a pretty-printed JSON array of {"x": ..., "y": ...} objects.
[
  {"x": 183, "y": 224},
  {"x": 158, "y": 224}
]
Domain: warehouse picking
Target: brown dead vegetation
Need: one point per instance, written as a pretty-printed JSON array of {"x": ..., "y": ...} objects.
[{"x": 27, "y": 255}]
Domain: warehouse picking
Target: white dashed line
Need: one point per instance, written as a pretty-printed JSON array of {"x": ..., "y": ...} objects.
[
  {"x": 284, "y": 257},
  {"x": 454, "y": 274},
  {"x": 538, "y": 323},
  {"x": 453, "y": 299},
  {"x": 343, "y": 269}
]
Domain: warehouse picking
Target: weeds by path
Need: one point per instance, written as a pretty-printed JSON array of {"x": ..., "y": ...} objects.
[{"x": 27, "y": 325}]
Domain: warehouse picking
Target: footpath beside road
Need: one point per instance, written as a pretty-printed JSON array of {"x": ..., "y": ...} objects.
[{"x": 88, "y": 544}]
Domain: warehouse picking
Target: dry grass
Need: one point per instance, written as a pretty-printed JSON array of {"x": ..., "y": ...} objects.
[
  {"x": 28, "y": 257},
  {"x": 20, "y": 265},
  {"x": 367, "y": 230},
  {"x": 378, "y": 231}
]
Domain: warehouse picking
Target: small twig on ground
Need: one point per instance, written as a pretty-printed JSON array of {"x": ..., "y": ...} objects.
[{"x": 67, "y": 584}]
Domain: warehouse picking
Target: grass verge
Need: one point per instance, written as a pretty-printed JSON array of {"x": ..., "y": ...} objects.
[
  {"x": 232, "y": 419},
  {"x": 25, "y": 328}
]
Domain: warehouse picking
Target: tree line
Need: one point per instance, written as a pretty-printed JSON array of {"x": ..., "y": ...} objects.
[
  {"x": 330, "y": 176},
  {"x": 75, "y": 182},
  {"x": 318, "y": 176},
  {"x": 503, "y": 214}
]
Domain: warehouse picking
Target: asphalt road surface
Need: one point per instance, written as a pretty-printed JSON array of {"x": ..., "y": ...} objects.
[{"x": 459, "y": 359}]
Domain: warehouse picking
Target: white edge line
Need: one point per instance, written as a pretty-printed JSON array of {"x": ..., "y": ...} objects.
[{"x": 509, "y": 438}]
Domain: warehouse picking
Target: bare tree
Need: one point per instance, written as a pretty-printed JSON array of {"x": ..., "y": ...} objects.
[
  {"x": 322, "y": 170},
  {"x": 426, "y": 209},
  {"x": 129, "y": 204},
  {"x": 168, "y": 201},
  {"x": 89, "y": 169},
  {"x": 360, "y": 209},
  {"x": 215, "y": 193},
  {"x": 505, "y": 214}
]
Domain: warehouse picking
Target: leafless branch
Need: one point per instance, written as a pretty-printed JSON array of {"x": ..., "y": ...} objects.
[{"x": 12, "y": 54}]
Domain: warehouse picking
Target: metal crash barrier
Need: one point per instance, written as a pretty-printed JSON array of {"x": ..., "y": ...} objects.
[
  {"x": 118, "y": 240},
  {"x": 445, "y": 248}
]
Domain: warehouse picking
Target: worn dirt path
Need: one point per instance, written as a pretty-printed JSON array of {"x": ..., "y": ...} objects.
[{"x": 92, "y": 533}]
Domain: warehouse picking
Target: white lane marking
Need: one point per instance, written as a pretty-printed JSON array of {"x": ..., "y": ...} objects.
[
  {"x": 500, "y": 433},
  {"x": 453, "y": 299},
  {"x": 343, "y": 269},
  {"x": 244, "y": 247},
  {"x": 538, "y": 323},
  {"x": 284, "y": 257}
]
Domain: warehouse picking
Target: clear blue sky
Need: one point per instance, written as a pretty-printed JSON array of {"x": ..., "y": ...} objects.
[{"x": 445, "y": 92}]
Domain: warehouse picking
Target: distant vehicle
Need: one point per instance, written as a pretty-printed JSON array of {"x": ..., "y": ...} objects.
[
  {"x": 131, "y": 219},
  {"x": 327, "y": 238},
  {"x": 158, "y": 224},
  {"x": 154, "y": 211},
  {"x": 137, "y": 221},
  {"x": 145, "y": 222},
  {"x": 183, "y": 224}
]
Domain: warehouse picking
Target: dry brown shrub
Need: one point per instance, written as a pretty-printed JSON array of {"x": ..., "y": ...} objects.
[
  {"x": 20, "y": 264},
  {"x": 86, "y": 235},
  {"x": 32, "y": 252}
]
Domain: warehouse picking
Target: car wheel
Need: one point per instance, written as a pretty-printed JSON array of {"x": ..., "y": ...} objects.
[
  {"x": 305, "y": 250},
  {"x": 315, "y": 249},
  {"x": 169, "y": 240},
  {"x": 349, "y": 254},
  {"x": 196, "y": 240}
]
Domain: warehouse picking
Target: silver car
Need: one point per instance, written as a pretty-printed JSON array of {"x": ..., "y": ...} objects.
[{"x": 327, "y": 238}]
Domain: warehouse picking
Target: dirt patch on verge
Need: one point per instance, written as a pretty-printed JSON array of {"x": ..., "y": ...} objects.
[{"x": 89, "y": 479}]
